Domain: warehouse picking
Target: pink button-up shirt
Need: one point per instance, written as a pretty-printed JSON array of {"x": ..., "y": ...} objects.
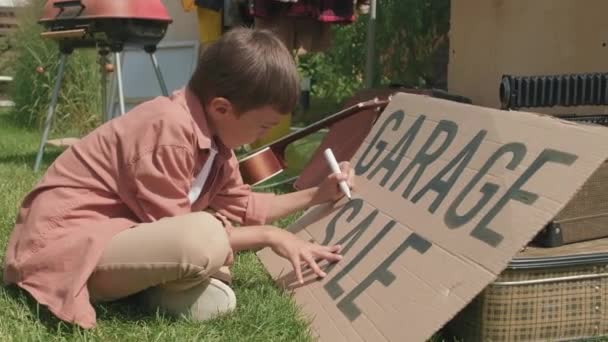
[{"x": 133, "y": 169}]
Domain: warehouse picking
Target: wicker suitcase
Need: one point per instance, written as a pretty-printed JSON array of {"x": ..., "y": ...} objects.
[
  {"x": 545, "y": 294},
  {"x": 585, "y": 216}
]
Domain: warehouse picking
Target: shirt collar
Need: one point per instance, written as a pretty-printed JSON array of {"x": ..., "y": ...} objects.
[{"x": 202, "y": 130}]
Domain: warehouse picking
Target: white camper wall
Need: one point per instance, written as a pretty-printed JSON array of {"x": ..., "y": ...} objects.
[{"x": 177, "y": 56}]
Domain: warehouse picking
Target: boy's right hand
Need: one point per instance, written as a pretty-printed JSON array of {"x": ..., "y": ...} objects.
[{"x": 299, "y": 252}]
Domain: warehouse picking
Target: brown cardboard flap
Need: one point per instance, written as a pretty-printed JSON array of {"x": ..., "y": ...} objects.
[{"x": 447, "y": 194}]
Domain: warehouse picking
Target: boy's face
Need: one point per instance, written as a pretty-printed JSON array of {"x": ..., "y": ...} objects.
[{"x": 237, "y": 129}]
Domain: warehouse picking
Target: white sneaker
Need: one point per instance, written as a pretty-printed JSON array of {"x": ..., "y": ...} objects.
[{"x": 208, "y": 300}]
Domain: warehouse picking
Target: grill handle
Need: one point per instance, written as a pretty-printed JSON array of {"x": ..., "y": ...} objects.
[
  {"x": 69, "y": 9},
  {"x": 64, "y": 34},
  {"x": 62, "y": 4}
]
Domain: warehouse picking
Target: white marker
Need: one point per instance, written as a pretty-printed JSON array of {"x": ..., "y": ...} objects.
[{"x": 333, "y": 165}]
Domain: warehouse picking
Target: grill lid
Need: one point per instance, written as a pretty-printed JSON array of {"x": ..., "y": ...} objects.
[
  {"x": 105, "y": 23},
  {"x": 153, "y": 10}
]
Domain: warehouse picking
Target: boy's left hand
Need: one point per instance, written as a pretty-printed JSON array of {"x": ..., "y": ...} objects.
[{"x": 329, "y": 190}]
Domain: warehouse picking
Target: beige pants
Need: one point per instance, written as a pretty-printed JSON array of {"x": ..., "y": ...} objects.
[{"x": 173, "y": 254}]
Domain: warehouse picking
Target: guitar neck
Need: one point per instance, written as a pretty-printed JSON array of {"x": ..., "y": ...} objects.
[{"x": 282, "y": 143}]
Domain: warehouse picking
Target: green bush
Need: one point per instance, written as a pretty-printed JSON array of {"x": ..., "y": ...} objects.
[
  {"x": 7, "y": 56},
  {"x": 337, "y": 73},
  {"x": 411, "y": 42},
  {"x": 79, "y": 104}
]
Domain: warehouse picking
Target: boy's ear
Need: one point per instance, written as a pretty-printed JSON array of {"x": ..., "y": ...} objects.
[{"x": 220, "y": 106}]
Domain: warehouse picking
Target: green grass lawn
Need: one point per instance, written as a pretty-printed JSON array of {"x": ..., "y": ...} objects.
[{"x": 263, "y": 312}]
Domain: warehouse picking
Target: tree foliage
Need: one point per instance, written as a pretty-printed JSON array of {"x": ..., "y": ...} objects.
[{"x": 411, "y": 42}]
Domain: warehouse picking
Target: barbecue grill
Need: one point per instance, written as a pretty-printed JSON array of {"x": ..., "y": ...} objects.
[{"x": 106, "y": 25}]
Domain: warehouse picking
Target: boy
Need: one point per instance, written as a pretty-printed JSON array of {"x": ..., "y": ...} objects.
[{"x": 143, "y": 203}]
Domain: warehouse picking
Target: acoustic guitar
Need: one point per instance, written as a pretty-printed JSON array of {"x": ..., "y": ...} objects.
[{"x": 269, "y": 160}]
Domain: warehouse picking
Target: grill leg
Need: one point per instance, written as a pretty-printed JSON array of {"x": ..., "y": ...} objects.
[
  {"x": 159, "y": 75},
  {"x": 51, "y": 111},
  {"x": 104, "y": 90},
  {"x": 105, "y": 108},
  {"x": 112, "y": 95},
  {"x": 111, "y": 107},
  {"x": 121, "y": 95}
]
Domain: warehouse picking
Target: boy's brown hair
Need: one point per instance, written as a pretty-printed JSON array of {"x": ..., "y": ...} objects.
[{"x": 250, "y": 68}]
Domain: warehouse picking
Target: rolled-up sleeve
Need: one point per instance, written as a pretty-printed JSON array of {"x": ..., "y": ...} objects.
[
  {"x": 237, "y": 201},
  {"x": 162, "y": 178}
]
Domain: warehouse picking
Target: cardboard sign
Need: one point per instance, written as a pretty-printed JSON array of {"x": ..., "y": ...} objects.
[{"x": 446, "y": 195}]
